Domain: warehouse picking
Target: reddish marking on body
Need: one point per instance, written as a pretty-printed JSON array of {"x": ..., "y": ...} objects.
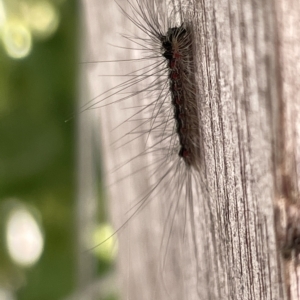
[
  {"x": 177, "y": 55},
  {"x": 174, "y": 75}
]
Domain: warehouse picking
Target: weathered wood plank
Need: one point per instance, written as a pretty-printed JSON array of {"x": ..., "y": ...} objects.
[{"x": 247, "y": 58}]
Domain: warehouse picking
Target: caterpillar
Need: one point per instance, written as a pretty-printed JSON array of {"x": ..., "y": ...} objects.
[{"x": 153, "y": 109}]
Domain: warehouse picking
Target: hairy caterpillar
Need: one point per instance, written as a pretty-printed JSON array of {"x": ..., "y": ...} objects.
[{"x": 157, "y": 152}]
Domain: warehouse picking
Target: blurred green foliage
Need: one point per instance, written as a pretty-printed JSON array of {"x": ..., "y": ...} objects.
[{"x": 37, "y": 95}]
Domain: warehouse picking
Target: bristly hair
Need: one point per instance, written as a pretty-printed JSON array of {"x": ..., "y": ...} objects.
[{"x": 165, "y": 116}]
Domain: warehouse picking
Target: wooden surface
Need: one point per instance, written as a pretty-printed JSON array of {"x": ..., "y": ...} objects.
[{"x": 247, "y": 65}]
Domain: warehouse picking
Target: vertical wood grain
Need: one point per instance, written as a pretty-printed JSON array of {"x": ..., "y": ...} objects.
[{"x": 247, "y": 62}]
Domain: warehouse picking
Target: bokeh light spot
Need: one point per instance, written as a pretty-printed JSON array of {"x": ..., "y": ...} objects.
[
  {"x": 5, "y": 294},
  {"x": 17, "y": 39},
  {"x": 2, "y": 18},
  {"x": 43, "y": 18},
  {"x": 105, "y": 250},
  {"x": 24, "y": 238}
]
